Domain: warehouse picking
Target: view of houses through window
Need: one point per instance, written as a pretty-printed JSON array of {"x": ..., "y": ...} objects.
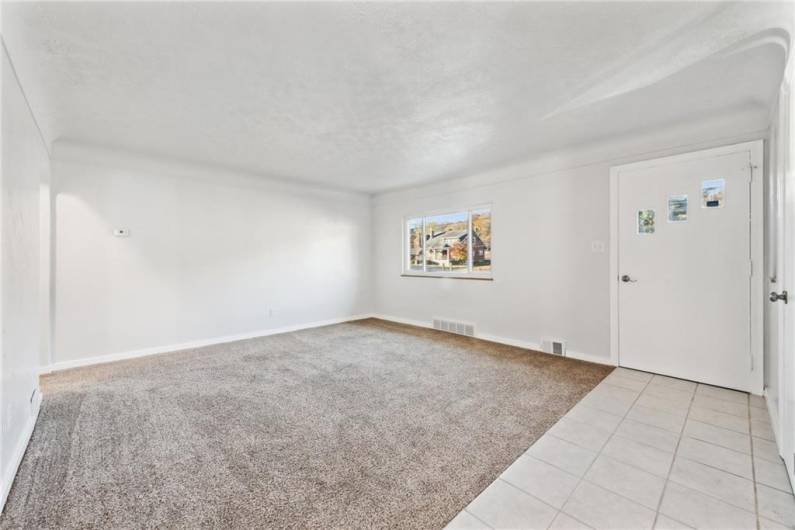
[{"x": 457, "y": 242}]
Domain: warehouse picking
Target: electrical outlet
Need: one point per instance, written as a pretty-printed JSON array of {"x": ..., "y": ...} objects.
[{"x": 597, "y": 247}]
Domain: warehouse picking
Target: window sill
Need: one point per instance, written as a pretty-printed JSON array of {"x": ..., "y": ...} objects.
[{"x": 452, "y": 276}]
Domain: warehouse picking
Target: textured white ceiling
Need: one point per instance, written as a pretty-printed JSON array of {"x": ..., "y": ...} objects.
[{"x": 377, "y": 96}]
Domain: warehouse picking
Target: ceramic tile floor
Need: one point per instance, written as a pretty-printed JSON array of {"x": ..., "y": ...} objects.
[{"x": 645, "y": 451}]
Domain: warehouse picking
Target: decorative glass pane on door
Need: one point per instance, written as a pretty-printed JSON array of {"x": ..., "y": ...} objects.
[
  {"x": 713, "y": 193},
  {"x": 645, "y": 221},
  {"x": 677, "y": 208}
]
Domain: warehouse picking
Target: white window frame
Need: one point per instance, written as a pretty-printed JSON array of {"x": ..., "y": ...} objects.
[{"x": 469, "y": 274}]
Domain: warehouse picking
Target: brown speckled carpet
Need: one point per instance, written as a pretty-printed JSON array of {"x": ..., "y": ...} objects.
[{"x": 361, "y": 425}]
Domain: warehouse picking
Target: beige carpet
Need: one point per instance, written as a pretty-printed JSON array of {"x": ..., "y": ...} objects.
[{"x": 359, "y": 425}]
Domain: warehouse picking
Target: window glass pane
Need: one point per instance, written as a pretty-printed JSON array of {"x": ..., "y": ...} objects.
[
  {"x": 481, "y": 240},
  {"x": 446, "y": 242},
  {"x": 414, "y": 231}
]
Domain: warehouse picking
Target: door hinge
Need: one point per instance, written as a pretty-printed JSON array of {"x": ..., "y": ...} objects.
[{"x": 750, "y": 267}]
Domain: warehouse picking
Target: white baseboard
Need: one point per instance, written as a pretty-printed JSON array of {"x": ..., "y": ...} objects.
[
  {"x": 503, "y": 340},
  {"x": 132, "y": 354},
  {"x": 401, "y": 320},
  {"x": 120, "y": 356},
  {"x": 19, "y": 451},
  {"x": 589, "y": 357}
]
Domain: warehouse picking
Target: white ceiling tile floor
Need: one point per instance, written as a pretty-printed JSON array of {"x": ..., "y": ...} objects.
[{"x": 643, "y": 451}]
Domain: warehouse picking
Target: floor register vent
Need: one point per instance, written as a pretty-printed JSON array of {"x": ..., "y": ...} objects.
[
  {"x": 459, "y": 328},
  {"x": 553, "y": 346}
]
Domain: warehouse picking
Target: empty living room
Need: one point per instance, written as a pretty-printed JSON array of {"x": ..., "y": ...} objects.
[{"x": 410, "y": 265}]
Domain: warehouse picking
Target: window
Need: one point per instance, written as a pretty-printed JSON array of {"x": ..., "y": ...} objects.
[
  {"x": 481, "y": 228},
  {"x": 457, "y": 244},
  {"x": 415, "y": 244},
  {"x": 447, "y": 242}
]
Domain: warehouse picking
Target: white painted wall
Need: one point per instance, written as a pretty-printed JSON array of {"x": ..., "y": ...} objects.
[
  {"x": 45, "y": 269},
  {"x": 25, "y": 163},
  {"x": 548, "y": 282},
  {"x": 211, "y": 254}
]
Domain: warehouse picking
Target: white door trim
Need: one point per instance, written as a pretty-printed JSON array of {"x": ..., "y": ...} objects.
[{"x": 755, "y": 150}]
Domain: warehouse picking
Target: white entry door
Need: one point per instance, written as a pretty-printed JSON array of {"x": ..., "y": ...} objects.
[
  {"x": 684, "y": 267},
  {"x": 780, "y": 390}
]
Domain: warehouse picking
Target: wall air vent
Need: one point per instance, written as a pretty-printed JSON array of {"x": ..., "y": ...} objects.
[
  {"x": 451, "y": 326},
  {"x": 554, "y": 346}
]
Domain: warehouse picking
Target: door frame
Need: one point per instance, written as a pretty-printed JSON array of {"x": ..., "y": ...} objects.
[{"x": 755, "y": 150}]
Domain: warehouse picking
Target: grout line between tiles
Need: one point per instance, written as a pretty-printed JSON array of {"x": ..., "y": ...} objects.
[
  {"x": 640, "y": 420},
  {"x": 652, "y": 406},
  {"x": 644, "y": 444},
  {"x": 582, "y": 479},
  {"x": 633, "y": 501},
  {"x": 707, "y": 494},
  {"x": 615, "y": 383},
  {"x": 708, "y": 422},
  {"x": 673, "y": 460},
  {"x": 753, "y": 466},
  {"x": 571, "y": 517},
  {"x": 575, "y": 443},
  {"x": 713, "y": 443},
  {"x": 591, "y": 407},
  {"x": 675, "y": 455},
  {"x": 710, "y": 495},
  {"x": 690, "y": 436},
  {"x": 514, "y": 486},
  {"x": 718, "y": 468},
  {"x": 476, "y": 517},
  {"x": 558, "y": 511},
  {"x": 614, "y": 433},
  {"x": 706, "y": 409},
  {"x": 548, "y": 463}
]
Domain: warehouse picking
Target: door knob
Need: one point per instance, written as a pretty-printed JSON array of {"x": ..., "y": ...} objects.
[
  {"x": 626, "y": 279},
  {"x": 775, "y": 297}
]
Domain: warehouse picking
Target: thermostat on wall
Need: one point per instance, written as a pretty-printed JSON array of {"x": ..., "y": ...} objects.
[{"x": 121, "y": 232}]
